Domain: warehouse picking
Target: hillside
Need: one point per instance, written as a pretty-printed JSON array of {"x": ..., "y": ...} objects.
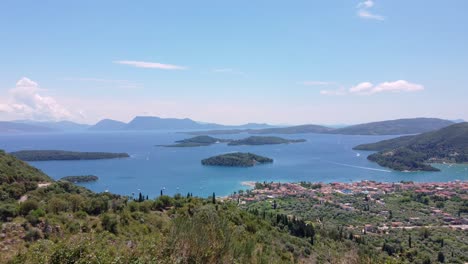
[
  {"x": 237, "y": 159},
  {"x": 302, "y": 129},
  {"x": 107, "y": 125},
  {"x": 12, "y": 127},
  {"x": 395, "y": 127},
  {"x": 449, "y": 144},
  {"x": 56, "y": 125},
  {"x": 44, "y": 155},
  {"x": 69, "y": 224},
  {"x": 260, "y": 140}
]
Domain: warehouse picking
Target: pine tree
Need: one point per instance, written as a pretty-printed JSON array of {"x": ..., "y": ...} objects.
[{"x": 214, "y": 198}]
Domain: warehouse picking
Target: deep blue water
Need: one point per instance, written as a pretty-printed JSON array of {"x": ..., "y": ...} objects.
[{"x": 323, "y": 158}]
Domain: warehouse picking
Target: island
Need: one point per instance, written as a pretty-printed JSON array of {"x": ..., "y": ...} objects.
[
  {"x": 415, "y": 153},
  {"x": 197, "y": 141},
  {"x": 80, "y": 179},
  {"x": 237, "y": 159},
  {"x": 46, "y": 155},
  {"x": 259, "y": 140}
]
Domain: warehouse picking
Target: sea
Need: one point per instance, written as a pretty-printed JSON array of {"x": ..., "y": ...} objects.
[{"x": 152, "y": 168}]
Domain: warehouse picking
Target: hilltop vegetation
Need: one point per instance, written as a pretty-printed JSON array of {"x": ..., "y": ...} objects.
[
  {"x": 80, "y": 178},
  {"x": 395, "y": 127},
  {"x": 412, "y": 153},
  {"x": 258, "y": 140},
  {"x": 44, "y": 155},
  {"x": 197, "y": 141},
  {"x": 237, "y": 159}
]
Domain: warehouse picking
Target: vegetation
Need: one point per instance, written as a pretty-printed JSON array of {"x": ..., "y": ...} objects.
[
  {"x": 81, "y": 178},
  {"x": 412, "y": 153},
  {"x": 65, "y": 223},
  {"x": 302, "y": 129},
  {"x": 258, "y": 140},
  {"x": 198, "y": 141},
  {"x": 369, "y": 226},
  {"x": 44, "y": 155},
  {"x": 395, "y": 127},
  {"x": 237, "y": 159},
  {"x": 389, "y": 127}
]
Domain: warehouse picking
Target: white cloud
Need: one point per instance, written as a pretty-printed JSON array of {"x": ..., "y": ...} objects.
[
  {"x": 367, "y": 88},
  {"x": 364, "y": 10},
  {"x": 362, "y": 87},
  {"x": 151, "y": 65},
  {"x": 397, "y": 86},
  {"x": 26, "y": 101}
]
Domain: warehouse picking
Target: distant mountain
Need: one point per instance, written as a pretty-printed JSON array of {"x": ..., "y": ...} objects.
[
  {"x": 292, "y": 130},
  {"x": 395, "y": 127},
  {"x": 449, "y": 144},
  {"x": 458, "y": 121},
  {"x": 59, "y": 125},
  {"x": 157, "y": 123},
  {"x": 108, "y": 125},
  {"x": 12, "y": 127}
]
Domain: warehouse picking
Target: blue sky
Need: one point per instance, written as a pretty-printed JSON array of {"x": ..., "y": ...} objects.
[{"x": 281, "y": 62}]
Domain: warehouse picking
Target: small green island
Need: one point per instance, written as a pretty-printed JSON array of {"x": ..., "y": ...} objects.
[
  {"x": 80, "y": 178},
  {"x": 198, "y": 141},
  {"x": 237, "y": 159},
  {"x": 46, "y": 155},
  {"x": 416, "y": 153},
  {"x": 260, "y": 140}
]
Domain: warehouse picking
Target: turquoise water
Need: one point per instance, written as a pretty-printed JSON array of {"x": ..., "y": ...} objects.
[{"x": 323, "y": 158}]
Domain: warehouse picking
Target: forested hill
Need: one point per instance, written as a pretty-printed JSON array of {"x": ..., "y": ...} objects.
[
  {"x": 449, "y": 144},
  {"x": 46, "y": 221},
  {"x": 395, "y": 127}
]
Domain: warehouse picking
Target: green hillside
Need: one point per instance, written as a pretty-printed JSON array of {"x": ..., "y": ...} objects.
[
  {"x": 237, "y": 159},
  {"x": 412, "y": 153},
  {"x": 395, "y": 127}
]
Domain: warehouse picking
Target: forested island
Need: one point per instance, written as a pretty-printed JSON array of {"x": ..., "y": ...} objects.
[
  {"x": 259, "y": 140},
  {"x": 237, "y": 159},
  {"x": 197, "y": 141},
  {"x": 45, "y": 155},
  {"x": 80, "y": 178},
  {"x": 415, "y": 153}
]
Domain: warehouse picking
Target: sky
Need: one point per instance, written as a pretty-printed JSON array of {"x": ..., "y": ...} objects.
[{"x": 233, "y": 62}]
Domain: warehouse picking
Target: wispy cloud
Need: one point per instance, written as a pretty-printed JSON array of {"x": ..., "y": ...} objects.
[
  {"x": 367, "y": 88},
  {"x": 228, "y": 70},
  {"x": 364, "y": 10},
  {"x": 151, "y": 65},
  {"x": 316, "y": 83},
  {"x": 339, "y": 91}
]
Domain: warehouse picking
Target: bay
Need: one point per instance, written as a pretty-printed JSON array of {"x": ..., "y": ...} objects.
[{"x": 322, "y": 158}]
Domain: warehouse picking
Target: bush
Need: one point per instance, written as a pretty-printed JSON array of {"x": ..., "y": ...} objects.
[{"x": 27, "y": 206}]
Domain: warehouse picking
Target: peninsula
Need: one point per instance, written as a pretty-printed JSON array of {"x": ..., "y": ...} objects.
[
  {"x": 414, "y": 153},
  {"x": 45, "y": 155},
  {"x": 80, "y": 179},
  {"x": 237, "y": 159}
]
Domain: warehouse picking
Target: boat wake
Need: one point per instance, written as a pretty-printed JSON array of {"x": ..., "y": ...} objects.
[{"x": 357, "y": 167}]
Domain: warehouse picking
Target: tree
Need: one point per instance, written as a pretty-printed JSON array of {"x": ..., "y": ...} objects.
[
  {"x": 213, "y": 200},
  {"x": 441, "y": 257},
  {"x": 409, "y": 241}
]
